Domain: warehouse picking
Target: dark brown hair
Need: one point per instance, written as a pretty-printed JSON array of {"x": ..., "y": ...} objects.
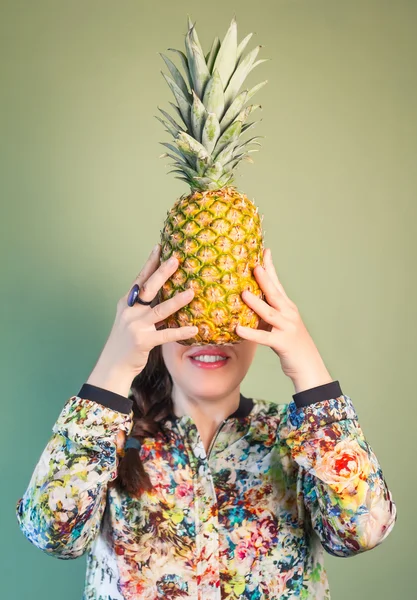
[{"x": 152, "y": 402}]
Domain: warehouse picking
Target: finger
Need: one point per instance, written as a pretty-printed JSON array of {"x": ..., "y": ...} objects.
[
  {"x": 272, "y": 272},
  {"x": 270, "y": 267},
  {"x": 151, "y": 286},
  {"x": 173, "y": 334},
  {"x": 163, "y": 310},
  {"x": 268, "y": 313},
  {"x": 274, "y": 296},
  {"x": 148, "y": 268},
  {"x": 254, "y": 335}
]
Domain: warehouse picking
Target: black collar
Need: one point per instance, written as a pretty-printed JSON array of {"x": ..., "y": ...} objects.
[{"x": 243, "y": 410}]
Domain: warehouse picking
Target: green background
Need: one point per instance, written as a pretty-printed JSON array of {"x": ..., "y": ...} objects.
[{"x": 84, "y": 195}]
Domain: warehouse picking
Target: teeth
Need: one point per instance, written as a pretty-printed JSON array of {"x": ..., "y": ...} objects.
[{"x": 209, "y": 358}]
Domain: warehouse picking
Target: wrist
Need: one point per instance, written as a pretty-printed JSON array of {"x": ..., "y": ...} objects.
[
  {"x": 306, "y": 380},
  {"x": 114, "y": 379}
]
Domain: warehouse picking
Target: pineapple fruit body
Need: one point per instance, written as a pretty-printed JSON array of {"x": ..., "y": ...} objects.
[{"x": 217, "y": 238}]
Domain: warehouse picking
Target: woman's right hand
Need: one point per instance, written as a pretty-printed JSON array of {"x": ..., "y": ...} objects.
[{"x": 134, "y": 332}]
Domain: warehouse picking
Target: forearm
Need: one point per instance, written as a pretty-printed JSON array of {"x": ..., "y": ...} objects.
[
  {"x": 342, "y": 483},
  {"x": 61, "y": 509}
]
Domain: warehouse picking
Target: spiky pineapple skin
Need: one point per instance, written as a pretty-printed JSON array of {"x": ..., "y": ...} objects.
[{"x": 217, "y": 237}]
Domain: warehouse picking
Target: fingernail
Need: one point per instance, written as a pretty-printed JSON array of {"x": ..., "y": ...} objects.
[
  {"x": 155, "y": 249},
  {"x": 172, "y": 260}
]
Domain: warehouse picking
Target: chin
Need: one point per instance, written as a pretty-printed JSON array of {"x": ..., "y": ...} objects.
[{"x": 210, "y": 389}]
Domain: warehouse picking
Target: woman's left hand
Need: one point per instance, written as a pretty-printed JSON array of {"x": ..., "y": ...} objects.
[{"x": 282, "y": 329}]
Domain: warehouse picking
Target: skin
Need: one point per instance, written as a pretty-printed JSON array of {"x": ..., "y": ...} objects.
[{"x": 208, "y": 396}]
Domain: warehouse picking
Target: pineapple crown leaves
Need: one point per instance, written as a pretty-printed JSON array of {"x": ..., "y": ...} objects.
[{"x": 211, "y": 107}]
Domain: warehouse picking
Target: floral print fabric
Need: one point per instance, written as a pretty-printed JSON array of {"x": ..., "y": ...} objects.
[{"x": 251, "y": 521}]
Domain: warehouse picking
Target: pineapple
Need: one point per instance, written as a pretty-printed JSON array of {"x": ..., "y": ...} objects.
[{"x": 215, "y": 230}]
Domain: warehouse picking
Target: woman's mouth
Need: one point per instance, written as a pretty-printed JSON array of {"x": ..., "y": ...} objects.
[{"x": 209, "y": 361}]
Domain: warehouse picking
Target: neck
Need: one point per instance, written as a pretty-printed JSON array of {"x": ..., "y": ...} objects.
[{"x": 202, "y": 409}]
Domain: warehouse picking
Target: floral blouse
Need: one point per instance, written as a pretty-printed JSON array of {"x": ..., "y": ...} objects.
[{"x": 280, "y": 484}]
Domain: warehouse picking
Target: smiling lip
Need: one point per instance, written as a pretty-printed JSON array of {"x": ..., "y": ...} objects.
[
  {"x": 210, "y": 352},
  {"x": 208, "y": 365}
]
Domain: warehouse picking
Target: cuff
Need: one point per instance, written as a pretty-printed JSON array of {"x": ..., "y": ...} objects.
[
  {"x": 106, "y": 398},
  {"x": 317, "y": 394}
]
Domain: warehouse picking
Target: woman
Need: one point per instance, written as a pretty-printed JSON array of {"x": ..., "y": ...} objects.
[{"x": 214, "y": 495}]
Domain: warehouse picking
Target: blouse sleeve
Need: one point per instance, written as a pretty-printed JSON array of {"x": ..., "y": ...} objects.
[
  {"x": 61, "y": 509},
  {"x": 340, "y": 478}
]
